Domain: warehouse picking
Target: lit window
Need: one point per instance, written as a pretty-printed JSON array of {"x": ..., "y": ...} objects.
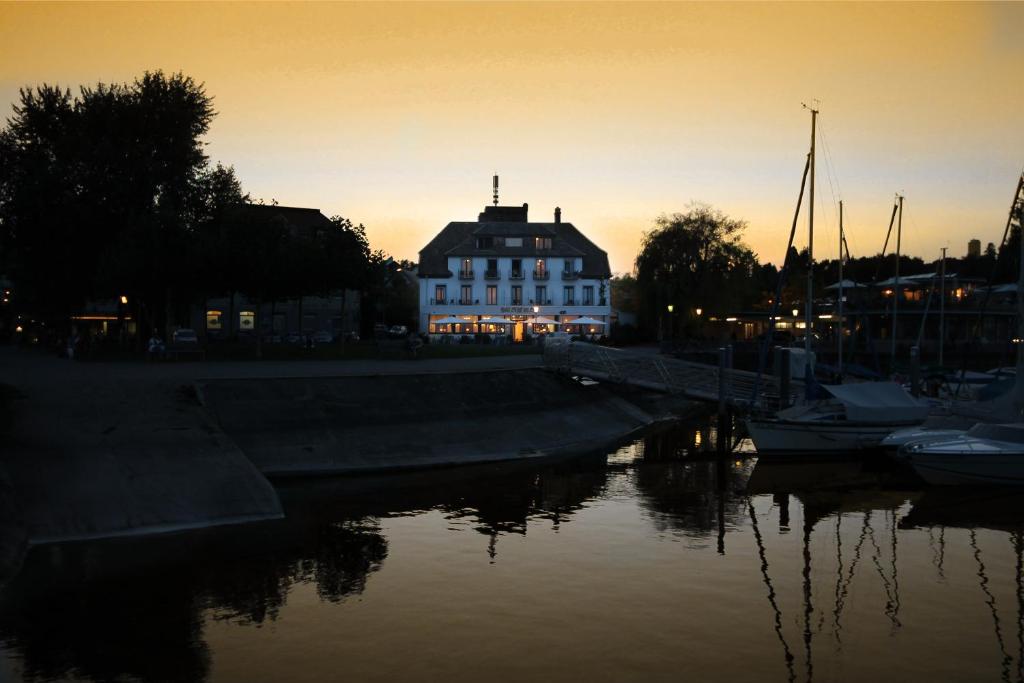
[
  {"x": 213, "y": 320},
  {"x": 492, "y": 295},
  {"x": 247, "y": 320}
]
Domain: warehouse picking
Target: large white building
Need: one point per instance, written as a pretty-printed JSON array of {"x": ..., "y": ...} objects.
[{"x": 503, "y": 273}]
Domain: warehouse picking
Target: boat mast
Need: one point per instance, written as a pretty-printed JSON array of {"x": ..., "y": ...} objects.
[
  {"x": 896, "y": 289},
  {"x": 942, "y": 305},
  {"x": 839, "y": 358},
  {"x": 808, "y": 312},
  {"x": 1018, "y": 386}
]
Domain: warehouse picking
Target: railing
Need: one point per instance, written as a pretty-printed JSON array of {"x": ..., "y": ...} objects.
[
  {"x": 698, "y": 381},
  {"x": 541, "y": 275},
  {"x": 516, "y": 275},
  {"x": 465, "y": 274},
  {"x": 541, "y": 302},
  {"x": 492, "y": 274},
  {"x": 570, "y": 275},
  {"x": 467, "y": 302}
]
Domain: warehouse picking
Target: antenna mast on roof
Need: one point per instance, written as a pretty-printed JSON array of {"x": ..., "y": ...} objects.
[{"x": 495, "y": 189}]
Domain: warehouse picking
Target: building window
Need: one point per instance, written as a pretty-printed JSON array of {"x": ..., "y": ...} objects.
[
  {"x": 540, "y": 267},
  {"x": 484, "y": 242},
  {"x": 542, "y": 294},
  {"x": 247, "y": 321},
  {"x": 517, "y": 295},
  {"x": 213, "y": 320},
  {"x": 467, "y": 268},
  {"x": 440, "y": 294},
  {"x": 569, "y": 296},
  {"x": 517, "y": 269},
  {"x": 588, "y": 295},
  {"x": 541, "y": 242},
  {"x": 513, "y": 241},
  {"x": 492, "y": 295},
  {"x": 467, "y": 295},
  {"x": 568, "y": 266}
]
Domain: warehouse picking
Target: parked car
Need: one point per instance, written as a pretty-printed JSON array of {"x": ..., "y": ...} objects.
[
  {"x": 185, "y": 337},
  {"x": 398, "y": 331},
  {"x": 323, "y": 337}
]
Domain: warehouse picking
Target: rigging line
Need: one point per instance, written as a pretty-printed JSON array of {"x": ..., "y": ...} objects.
[
  {"x": 830, "y": 172},
  {"x": 769, "y": 338},
  {"x": 990, "y": 600},
  {"x": 787, "y": 653}
]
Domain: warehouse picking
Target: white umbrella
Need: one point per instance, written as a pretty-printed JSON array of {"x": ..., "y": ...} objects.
[
  {"x": 495, "y": 321},
  {"x": 584, "y": 321},
  {"x": 450, "y": 320},
  {"x": 544, "y": 321}
]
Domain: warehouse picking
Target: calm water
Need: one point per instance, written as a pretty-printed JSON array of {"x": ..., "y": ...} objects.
[{"x": 641, "y": 564}]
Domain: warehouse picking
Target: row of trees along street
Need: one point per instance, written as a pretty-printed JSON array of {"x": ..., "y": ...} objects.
[{"x": 109, "y": 193}]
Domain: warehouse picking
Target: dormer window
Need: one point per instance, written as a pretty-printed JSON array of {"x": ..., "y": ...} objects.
[
  {"x": 541, "y": 243},
  {"x": 484, "y": 242},
  {"x": 513, "y": 241}
]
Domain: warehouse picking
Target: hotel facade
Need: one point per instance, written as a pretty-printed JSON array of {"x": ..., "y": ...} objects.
[{"x": 505, "y": 275}]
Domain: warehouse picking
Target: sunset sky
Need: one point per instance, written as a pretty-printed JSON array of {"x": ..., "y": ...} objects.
[{"x": 397, "y": 115}]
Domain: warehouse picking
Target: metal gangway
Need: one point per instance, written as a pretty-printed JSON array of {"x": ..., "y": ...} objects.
[{"x": 719, "y": 384}]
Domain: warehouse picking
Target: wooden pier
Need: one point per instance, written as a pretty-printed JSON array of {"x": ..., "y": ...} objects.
[{"x": 720, "y": 384}]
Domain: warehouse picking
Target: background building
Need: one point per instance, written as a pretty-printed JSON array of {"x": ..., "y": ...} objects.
[{"x": 505, "y": 274}]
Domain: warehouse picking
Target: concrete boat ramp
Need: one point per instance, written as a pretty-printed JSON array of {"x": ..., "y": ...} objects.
[{"x": 97, "y": 450}]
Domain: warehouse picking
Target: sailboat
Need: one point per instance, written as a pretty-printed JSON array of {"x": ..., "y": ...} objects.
[
  {"x": 855, "y": 417},
  {"x": 986, "y": 454}
]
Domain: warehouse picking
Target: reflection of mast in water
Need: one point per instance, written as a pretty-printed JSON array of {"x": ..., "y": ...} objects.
[
  {"x": 808, "y": 609},
  {"x": 845, "y": 589},
  {"x": 1018, "y": 548},
  {"x": 990, "y": 600},
  {"x": 891, "y": 593},
  {"x": 938, "y": 550},
  {"x": 771, "y": 592}
]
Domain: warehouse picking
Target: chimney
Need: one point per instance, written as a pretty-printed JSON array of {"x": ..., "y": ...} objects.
[{"x": 558, "y": 215}]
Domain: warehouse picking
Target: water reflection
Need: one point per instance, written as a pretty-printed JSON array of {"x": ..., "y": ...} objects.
[{"x": 832, "y": 570}]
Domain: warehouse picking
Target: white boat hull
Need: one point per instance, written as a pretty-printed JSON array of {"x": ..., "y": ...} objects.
[
  {"x": 969, "y": 469},
  {"x": 785, "y": 436}
]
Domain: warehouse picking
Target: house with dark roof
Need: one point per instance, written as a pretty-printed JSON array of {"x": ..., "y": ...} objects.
[
  {"x": 503, "y": 274},
  {"x": 336, "y": 314}
]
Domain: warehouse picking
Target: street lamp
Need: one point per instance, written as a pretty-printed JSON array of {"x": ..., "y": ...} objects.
[
  {"x": 536, "y": 310},
  {"x": 671, "y": 331},
  {"x": 796, "y": 312},
  {"x": 699, "y": 311}
]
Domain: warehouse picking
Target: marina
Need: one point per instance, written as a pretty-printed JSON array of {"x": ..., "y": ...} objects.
[{"x": 637, "y": 562}]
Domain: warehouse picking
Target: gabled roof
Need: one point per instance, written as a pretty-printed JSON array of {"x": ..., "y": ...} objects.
[
  {"x": 459, "y": 239},
  {"x": 300, "y": 220}
]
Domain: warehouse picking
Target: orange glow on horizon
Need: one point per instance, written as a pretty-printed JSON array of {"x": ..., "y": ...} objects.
[{"x": 397, "y": 115}]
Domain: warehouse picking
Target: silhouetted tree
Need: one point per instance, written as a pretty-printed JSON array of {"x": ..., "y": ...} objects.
[
  {"x": 691, "y": 260},
  {"x": 102, "y": 192}
]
